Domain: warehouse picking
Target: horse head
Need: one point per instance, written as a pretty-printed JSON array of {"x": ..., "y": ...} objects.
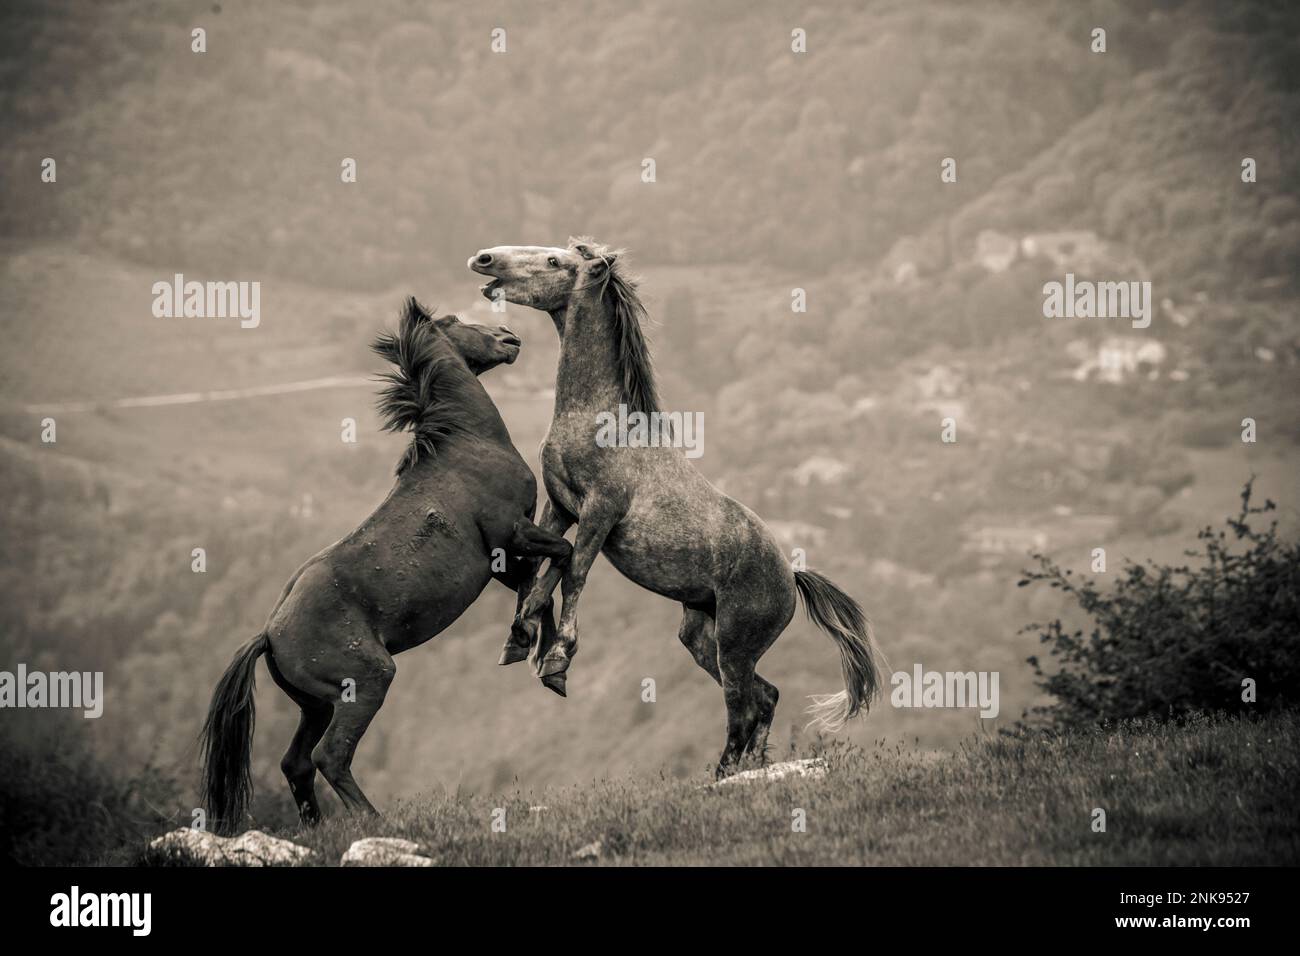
[
  {"x": 481, "y": 347},
  {"x": 545, "y": 277},
  {"x": 592, "y": 300},
  {"x": 431, "y": 389}
]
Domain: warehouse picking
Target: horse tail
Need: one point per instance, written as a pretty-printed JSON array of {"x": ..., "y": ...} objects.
[
  {"x": 841, "y": 617},
  {"x": 227, "y": 739}
]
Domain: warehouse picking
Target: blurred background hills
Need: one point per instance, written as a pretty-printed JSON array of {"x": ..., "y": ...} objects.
[{"x": 774, "y": 171}]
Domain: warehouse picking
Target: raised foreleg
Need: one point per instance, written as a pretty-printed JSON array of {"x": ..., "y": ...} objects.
[
  {"x": 594, "y": 526},
  {"x": 530, "y": 545},
  {"x": 528, "y": 614}
]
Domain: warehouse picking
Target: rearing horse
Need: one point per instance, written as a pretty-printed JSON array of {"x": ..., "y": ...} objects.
[
  {"x": 656, "y": 518},
  {"x": 459, "y": 515}
]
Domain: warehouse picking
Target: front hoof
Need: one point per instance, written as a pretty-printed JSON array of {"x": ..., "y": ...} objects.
[
  {"x": 513, "y": 653},
  {"x": 552, "y": 664},
  {"x": 556, "y": 682}
]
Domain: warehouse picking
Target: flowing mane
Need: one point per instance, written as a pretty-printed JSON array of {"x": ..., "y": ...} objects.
[
  {"x": 419, "y": 395},
  {"x": 618, "y": 290}
]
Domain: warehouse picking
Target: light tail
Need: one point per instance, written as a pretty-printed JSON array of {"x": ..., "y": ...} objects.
[{"x": 843, "y": 619}]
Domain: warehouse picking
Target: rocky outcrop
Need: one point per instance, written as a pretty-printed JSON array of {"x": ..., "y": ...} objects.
[
  {"x": 253, "y": 848},
  {"x": 385, "y": 851}
]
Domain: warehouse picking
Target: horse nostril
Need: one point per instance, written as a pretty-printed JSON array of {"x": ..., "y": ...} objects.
[{"x": 484, "y": 259}]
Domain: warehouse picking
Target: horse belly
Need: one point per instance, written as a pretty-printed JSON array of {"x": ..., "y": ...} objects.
[
  {"x": 675, "y": 567},
  {"x": 430, "y": 603}
]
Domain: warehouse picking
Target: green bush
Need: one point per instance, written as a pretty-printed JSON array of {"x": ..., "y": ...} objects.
[{"x": 1170, "y": 641}]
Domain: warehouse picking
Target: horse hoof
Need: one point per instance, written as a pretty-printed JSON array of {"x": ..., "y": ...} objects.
[
  {"x": 556, "y": 683},
  {"x": 553, "y": 666},
  {"x": 512, "y": 654}
]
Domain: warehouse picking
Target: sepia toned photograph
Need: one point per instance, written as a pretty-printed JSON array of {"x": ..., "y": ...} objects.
[{"x": 650, "y": 434}]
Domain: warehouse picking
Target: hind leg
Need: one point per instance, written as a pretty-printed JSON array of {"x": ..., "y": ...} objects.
[
  {"x": 296, "y": 764},
  {"x": 742, "y": 711},
  {"x": 748, "y": 622},
  {"x": 765, "y": 697},
  {"x": 697, "y": 634},
  {"x": 373, "y": 671}
]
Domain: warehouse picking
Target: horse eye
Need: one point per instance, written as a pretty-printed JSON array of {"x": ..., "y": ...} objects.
[{"x": 553, "y": 262}]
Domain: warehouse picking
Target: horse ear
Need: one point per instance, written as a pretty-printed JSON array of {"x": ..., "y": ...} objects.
[
  {"x": 597, "y": 269},
  {"x": 416, "y": 311}
]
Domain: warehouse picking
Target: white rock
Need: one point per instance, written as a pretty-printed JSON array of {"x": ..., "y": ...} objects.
[
  {"x": 813, "y": 767},
  {"x": 385, "y": 851},
  {"x": 253, "y": 848},
  {"x": 203, "y": 846}
]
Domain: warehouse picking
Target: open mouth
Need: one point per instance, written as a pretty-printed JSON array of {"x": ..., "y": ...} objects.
[
  {"x": 512, "y": 340},
  {"x": 489, "y": 288}
]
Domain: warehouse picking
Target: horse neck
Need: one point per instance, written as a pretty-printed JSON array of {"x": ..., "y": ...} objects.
[
  {"x": 474, "y": 406},
  {"x": 589, "y": 374}
]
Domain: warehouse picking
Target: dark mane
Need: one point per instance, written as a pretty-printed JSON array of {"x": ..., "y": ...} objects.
[
  {"x": 419, "y": 395},
  {"x": 618, "y": 289}
]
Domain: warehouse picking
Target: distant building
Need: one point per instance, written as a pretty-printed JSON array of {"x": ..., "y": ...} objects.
[
  {"x": 994, "y": 251},
  {"x": 1082, "y": 251},
  {"x": 939, "y": 381},
  {"x": 991, "y": 536},
  {"x": 864, "y": 406},
  {"x": 1075, "y": 249},
  {"x": 823, "y": 468},
  {"x": 1121, "y": 358}
]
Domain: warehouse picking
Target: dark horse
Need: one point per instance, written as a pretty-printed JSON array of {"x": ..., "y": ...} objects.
[
  {"x": 460, "y": 513},
  {"x": 655, "y": 517}
]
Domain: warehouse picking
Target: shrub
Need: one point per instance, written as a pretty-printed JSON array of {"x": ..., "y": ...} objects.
[
  {"x": 61, "y": 804},
  {"x": 1170, "y": 641}
]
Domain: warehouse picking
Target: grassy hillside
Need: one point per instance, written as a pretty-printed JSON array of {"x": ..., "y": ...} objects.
[{"x": 1212, "y": 794}]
